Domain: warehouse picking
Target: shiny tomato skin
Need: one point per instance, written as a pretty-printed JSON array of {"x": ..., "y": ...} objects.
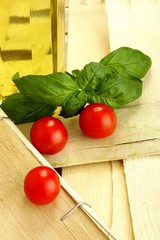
[
  {"x": 97, "y": 120},
  {"x": 48, "y": 135},
  {"x": 42, "y": 185}
]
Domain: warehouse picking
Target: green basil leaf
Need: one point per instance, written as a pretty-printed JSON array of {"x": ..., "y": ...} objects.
[
  {"x": 51, "y": 89},
  {"x": 90, "y": 77},
  {"x": 127, "y": 60},
  {"x": 75, "y": 72},
  {"x": 115, "y": 80},
  {"x": 16, "y": 76},
  {"x": 73, "y": 104},
  {"x": 117, "y": 90},
  {"x": 73, "y": 77},
  {"x": 21, "y": 109}
]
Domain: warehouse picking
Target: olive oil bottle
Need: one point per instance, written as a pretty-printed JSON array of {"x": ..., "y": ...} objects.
[{"x": 31, "y": 39}]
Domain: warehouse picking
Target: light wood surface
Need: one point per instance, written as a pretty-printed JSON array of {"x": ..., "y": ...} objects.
[
  {"x": 142, "y": 178},
  {"x": 88, "y": 41},
  {"x": 134, "y": 24},
  {"x": 19, "y": 218},
  {"x": 137, "y": 136}
]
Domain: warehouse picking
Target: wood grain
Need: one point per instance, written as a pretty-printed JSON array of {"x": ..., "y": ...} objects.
[
  {"x": 83, "y": 179},
  {"x": 137, "y": 135},
  {"x": 143, "y": 178},
  {"x": 127, "y": 27},
  {"x": 135, "y": 24},
  {"x": 121, "y": 217},
  {"x": 88, "y": 41},
  {"x": 129, "y": 203},
  {"x": 21, "y": 219}
]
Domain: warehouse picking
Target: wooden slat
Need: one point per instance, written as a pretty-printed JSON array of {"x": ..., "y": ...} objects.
[
  {"x": 105, "y": 189},
  {"x": 88, "y": 41},
  {"x": 143, "y": 178},
  {"x": 82, "y": 179},
  {"x": 137, "y": 135},
  {"x": 135, "y": 24},
  {"x": 87, "y": 19},
  {"x": 127, "y": 27},
  {"x": 17, "y": 215},
  {"x": 121, "y": 217}
]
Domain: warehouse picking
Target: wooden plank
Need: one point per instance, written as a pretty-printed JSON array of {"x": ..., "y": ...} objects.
[
  {"x": 88, "y": 41},
  {"x": 18, "y": 216},
  {"x": 105, "y": 189},
  {"x": 135, "y": 24},
  {"x": 83, "y": 177},
  {"x": 127, "y": 27},
  {"x": 85, "y": 32},
  {"x": 143, "y": 178},
  {"x": 137, "y": 136},
  {"x": 121, "y": 217}
]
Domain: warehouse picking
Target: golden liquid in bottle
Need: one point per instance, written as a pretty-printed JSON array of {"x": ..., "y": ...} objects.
[{"x": 26, "y": 40}]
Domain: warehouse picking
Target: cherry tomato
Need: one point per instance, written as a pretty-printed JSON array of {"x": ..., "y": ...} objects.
[
  {"x": 97, "y": 120},
  {"x": 42, "y": 185},
  {"x": 48, "y": 135}
]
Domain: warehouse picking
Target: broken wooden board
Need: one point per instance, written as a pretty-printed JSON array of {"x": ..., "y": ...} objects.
[{"x": 18, "y": 216}]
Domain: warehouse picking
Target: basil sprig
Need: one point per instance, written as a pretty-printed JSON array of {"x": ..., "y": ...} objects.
[{"x": 115, "y": 80}]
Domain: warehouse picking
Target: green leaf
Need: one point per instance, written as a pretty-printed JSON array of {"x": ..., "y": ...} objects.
[
  {"x": 51, "y": 89},
  {"x": 74, "y": 104},
  {"x": 117, "y": 90},
  {"x": 21, "y": 109},
  {"x": 90, "y": 77},
  {"x": 75, "y": 72},
  {"x": 16, "y": 76},
  {"x": 115, "y": 80},
  {"x": 127, "y": 60},
  {"x": 73, "y": 77}
]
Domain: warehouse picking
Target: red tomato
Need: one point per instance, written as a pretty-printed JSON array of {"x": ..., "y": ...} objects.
[
  {"x": 48, "y": 135},
  {"x": 97, "y": 120},
  {"x": 42, "y": 185}
]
